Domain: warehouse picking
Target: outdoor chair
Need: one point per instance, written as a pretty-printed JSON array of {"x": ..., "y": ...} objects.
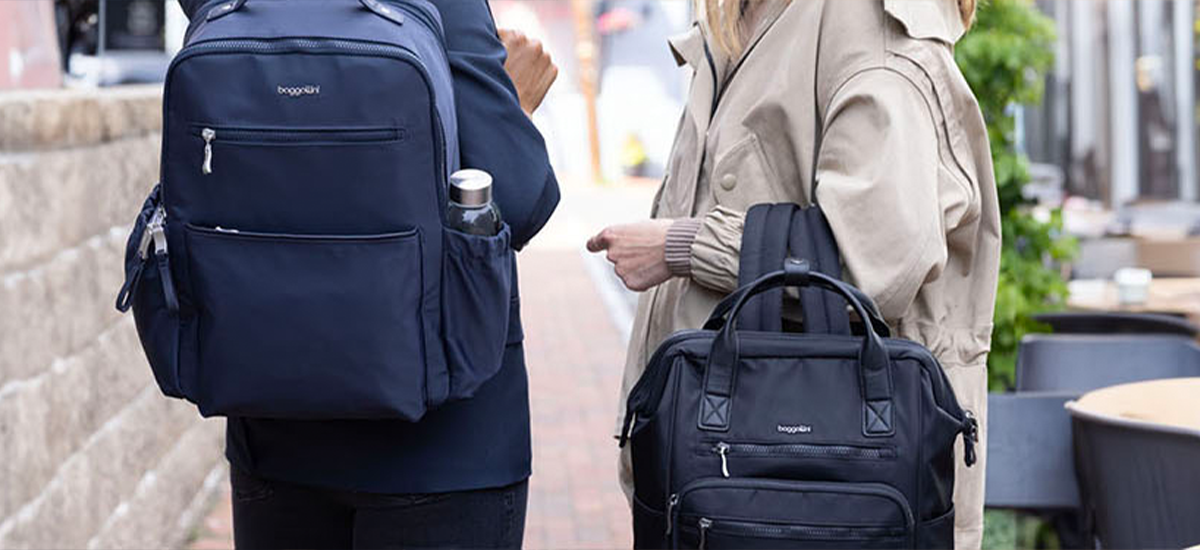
[
  {"x": 1081, "y": 363},
  {"x": 1140, "y": 481},
  {"x": 1030, "y": 462},
  {"x": 1030, "y": 465},
  {"x": 1118, "y": 323}
]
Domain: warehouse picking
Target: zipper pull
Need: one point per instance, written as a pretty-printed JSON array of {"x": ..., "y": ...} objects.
[
  {"x": 705, "y": 525},
  {"x": 209, "y": 135},
  {"x": 722, "y": 449},
  {"x": 970, "y": 437},
  {"x": 144, "y": 246},
  {"x": 156, "y": 228},
  {"x": 671, "y": 504},
  {"x": 155, "y": 233},
  {"x": 220, "y": 229}
]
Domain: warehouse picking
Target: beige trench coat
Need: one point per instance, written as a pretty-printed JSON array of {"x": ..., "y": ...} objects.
[{"x": 904, "y": 171}]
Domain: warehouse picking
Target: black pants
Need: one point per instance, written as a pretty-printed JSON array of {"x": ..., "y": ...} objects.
[{"x": 270, "y": 514}]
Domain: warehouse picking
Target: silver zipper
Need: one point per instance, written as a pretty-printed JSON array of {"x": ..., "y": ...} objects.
[
  {"x": 671, "y": 504},
  {"x": 722, "y": 449},
  {"x": 220, "y": 229},
  {"x": 156, "y": 233},
  {"x": 209, "y": 135},
  {"x": 705, "y": 525}
]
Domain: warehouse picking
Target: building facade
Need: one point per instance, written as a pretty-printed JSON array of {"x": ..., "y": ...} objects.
[{"x": 1120, "y": 117}]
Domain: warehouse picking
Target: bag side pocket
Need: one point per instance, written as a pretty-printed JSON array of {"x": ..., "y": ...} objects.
[
  {"x": 477, "y": 281},
  {"x": 937, "y": 532},
  {"x": 143, "y": 292},
  {"x": 649, "y": 526}
]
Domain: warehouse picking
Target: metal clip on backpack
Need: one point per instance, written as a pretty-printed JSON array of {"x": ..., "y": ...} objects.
[
  {"x": 751, "y": 438},
  {"x": 294, "y": 261}
]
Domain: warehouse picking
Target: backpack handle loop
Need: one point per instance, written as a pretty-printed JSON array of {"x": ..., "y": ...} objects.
[{"x": 875, "y": 372}]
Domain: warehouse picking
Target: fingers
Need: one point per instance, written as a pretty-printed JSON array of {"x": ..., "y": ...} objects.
[
  {"x": 512, "y": 39},
  {"x": 601, "y": 241},
  {"x": 530, "y": 67},
  {"x": 549, "y": 73}
]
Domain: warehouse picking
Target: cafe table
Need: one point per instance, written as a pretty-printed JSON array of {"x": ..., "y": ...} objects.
[
  {"x": 1137, "y": 457},
  {"x": 1173, "y": 402},
  {"x": 1171, "y": 296}
]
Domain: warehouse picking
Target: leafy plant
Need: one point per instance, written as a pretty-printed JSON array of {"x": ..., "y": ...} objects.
[{"x": 1005, "y": 58}]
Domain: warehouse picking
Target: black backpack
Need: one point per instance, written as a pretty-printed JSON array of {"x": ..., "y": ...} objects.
[{"x": 745, "y": 436}]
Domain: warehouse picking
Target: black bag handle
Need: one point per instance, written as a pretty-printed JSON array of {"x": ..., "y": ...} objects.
[
  {"x": 874, "y": 365},
  {"x": 720, "y": 314}
]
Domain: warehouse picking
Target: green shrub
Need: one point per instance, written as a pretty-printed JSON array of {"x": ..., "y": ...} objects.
[{"x": 1005, "y": 58}]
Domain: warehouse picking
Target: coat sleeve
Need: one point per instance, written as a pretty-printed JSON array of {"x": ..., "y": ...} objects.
[
  {"x": 494, "y": 133},
  {"x": 878, "y": 186},
  {"x": 877, "y": 177},
  {"x": 717, "y": 249}
]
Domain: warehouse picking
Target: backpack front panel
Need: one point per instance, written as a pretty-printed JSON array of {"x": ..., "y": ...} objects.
[{"x": 303, "y": 184}]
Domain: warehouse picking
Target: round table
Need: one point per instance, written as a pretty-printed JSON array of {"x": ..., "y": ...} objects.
[
  {"x": 1137, "y": 457},
  {"x": 1171, "y": 403}
]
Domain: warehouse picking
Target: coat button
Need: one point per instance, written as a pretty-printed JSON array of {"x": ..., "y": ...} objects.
[{"x": 728, "y": 182}]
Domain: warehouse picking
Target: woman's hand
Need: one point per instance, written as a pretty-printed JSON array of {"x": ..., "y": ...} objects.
[
  {"x": 637, "y": 251},
  {"x": 530, "y": 68}
]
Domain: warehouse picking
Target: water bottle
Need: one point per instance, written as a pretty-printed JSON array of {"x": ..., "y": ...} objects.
[{"x": 471, "y": 209}]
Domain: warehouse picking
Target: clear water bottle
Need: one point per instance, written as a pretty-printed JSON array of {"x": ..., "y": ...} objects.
[{"x": 471, "y": 209}]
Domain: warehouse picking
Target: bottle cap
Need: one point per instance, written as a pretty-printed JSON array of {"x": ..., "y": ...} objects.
[{"x": 471, "y": 187}]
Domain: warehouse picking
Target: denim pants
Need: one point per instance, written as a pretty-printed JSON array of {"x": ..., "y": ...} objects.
[{"x": 269, "y": 514}]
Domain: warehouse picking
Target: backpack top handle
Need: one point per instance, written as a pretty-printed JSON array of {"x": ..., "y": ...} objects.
[
  {"x": 874, "y": 365},
  {"x": 720, "y": 314}
]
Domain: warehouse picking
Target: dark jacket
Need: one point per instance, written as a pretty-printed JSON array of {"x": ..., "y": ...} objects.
[{"x": 479, "y": 443}]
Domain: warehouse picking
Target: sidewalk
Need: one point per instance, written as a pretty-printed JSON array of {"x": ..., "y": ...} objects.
[{"x": 575, "y": 355}]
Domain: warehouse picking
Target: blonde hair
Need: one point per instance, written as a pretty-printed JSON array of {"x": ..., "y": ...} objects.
[{"x": 726, "y": 20}]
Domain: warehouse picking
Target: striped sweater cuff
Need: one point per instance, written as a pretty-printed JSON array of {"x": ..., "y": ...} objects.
[{"x": 678, "y": 249}]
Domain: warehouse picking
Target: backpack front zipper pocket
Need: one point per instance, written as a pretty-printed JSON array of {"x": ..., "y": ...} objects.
[
  {"x": 213, "y": 134},
  {"x": 705, "y": 528},
  {"x": 345, "y": 338},
  {"x": 777, "y": 513},
  {"x": 330, "y": 180},
  {"x": 728, "y": 451}
]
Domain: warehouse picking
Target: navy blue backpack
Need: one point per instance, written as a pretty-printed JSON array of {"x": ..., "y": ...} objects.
[{"x": 293, "y": 261}]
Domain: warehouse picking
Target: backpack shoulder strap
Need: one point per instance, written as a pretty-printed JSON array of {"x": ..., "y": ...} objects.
[
  {"x": 764, "y": 247},
  {"x": 812, "y": 240}
]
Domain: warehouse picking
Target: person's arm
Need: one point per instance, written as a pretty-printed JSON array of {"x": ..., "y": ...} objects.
[
  {"x": 878, "y": 174},
  {"x": 878, "y": 187},
  {"x": 494, "y": 132},
  {"x": 881, "y": 193}
]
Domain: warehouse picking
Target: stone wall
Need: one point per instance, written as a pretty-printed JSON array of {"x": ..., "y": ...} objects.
[{"x": 91, "y": 455}]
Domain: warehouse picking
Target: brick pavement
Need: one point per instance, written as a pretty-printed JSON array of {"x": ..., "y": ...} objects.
[{"x": 575, "y": 355}]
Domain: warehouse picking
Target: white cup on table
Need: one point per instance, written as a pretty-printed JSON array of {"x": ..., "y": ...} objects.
[{"x": 1133, "y": 285}]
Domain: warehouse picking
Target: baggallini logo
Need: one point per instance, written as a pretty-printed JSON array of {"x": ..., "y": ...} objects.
[
  {"x": 794, "y": 429},
  {"x": 297, "y": 91}
]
